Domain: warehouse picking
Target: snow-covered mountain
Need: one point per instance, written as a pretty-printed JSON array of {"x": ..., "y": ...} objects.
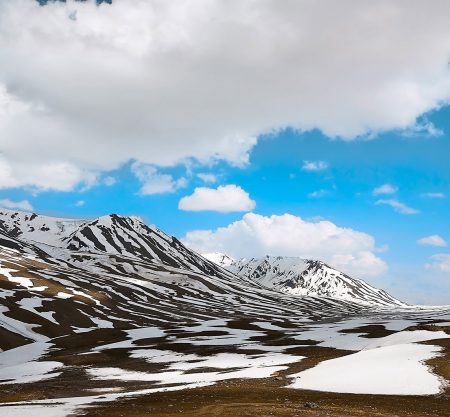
[
  {"x": 36, "y": 228},
  {"x": 87, "y": 306},
  {"x": 60, "y": 277},
  {"x": 113, "y": 234},
  {"x": 130, "y": 237},
  {"x": 304, "y": 277}
]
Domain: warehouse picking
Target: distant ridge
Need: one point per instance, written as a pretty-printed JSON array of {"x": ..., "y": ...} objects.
[{"x": 305, "y": 277}]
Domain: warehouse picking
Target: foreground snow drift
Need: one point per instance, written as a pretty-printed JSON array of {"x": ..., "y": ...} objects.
[{"x": 393, "y": 370}]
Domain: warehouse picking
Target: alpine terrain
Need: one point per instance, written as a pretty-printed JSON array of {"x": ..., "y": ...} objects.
[
  {"x": 305, "y": 277},
  {"x": 111, "y": 316}
]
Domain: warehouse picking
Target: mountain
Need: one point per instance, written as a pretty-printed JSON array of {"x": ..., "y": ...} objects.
[
  {"x": 131, "y": 237},
  {"x": 62, "y": 276},
  {"x": 95, "y": 310},
  {"x": 112, "y": 234},
  {"x": 59, "y": 277},
  {"x": 305, "y": 277},
  {"x": 36, "y": 228}
]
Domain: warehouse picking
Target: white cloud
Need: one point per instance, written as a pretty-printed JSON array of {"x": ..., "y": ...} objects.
[
  {"x": 19, "y": 205},
  {"x": 433, "y": 240},
  {"x": 163, "y": 81},
  {"x": 224, "y": 199},
  {"x": 385, "y": 189},
  {"x": 314, "y": 166},
  {"x": 80, "y": 203},
  {"x": 208, "y": 178},
  {"x": 398, "y": 206},
  {"x": 439, "y": 262},
  {"x": 255, "y": 235},
  {"x": 425, "y": 128},
  {"x": 59, "y": 176},
  {"x": 155, "y": 183},
  {"x": 433, "y": 195},
  {"x": 319, "y": 193},
  {"x": 109, "y": 181},
  {"x": 382, "y": 249}
]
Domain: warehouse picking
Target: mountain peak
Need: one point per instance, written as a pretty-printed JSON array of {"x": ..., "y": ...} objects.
[
  {"x": 219, "y": 258},
  {"x": 309, "y": 277}
]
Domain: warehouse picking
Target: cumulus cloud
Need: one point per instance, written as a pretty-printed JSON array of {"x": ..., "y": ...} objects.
[
  {"x": 154, "y": 182},
  {"x": 439, "y": 262},
  {"x": 255, "y": 235},
  {"x": 161, "y": 81},
  {"x": 24, "y": 205},
  {"x": 223, "y": 199},
  {"x": 398, "y": 206},
  {"x": 385, "y": 189},
  {"x": 433, "y": 240},
  {"x": 314, "y": 166},
  {"x": 80, "y": 203}
]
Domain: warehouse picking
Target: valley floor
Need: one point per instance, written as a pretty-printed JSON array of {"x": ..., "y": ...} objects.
[{"x": 81, "y": 388}]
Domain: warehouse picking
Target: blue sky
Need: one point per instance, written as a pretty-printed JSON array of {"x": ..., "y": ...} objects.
[{"x": 132, "y": 112}]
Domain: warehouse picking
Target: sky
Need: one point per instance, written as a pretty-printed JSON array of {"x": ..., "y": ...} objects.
[{"x": 297, "y": 128}]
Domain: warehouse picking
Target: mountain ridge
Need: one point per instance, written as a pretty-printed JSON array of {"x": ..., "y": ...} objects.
[
  {"x": 305, "y": 277},
  {"x": 129, "y": 237}
]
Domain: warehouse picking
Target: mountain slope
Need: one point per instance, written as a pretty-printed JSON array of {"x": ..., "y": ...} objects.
[
  {"x": 309, "y": 278},
  {"x": 36, "y": 228},
  {"x": 112, "y": 234},
  {"x": 124, "y": 275}
]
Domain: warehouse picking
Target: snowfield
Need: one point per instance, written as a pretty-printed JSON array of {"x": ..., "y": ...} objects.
[{"x": 391, "y": 370}]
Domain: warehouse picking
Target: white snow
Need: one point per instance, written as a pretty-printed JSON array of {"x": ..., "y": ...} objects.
[
  {"x": 64, "y": 295},
  {"x": 331, "y": 335},
  {"x": 132, "y": 336},
  {"x": 29, "y": 372},
  {"x": 21, "y": 365},
  {"x": 267, "y": 326},
  {"x": 241, "y": 365},
  {"x": 218, "y": 258},
  {"x": 24, "y": 282},
  {"x": 392, "y": 370},
  {"x": 406, "y": 337},
  {"x": 19, "y": 327}
]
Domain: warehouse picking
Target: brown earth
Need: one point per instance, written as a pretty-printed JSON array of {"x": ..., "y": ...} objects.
[{"x": 269, "y": 398}]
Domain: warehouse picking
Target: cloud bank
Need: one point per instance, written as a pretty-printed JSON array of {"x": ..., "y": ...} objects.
[
  {"x": 84, "y": 89},
  {"x": 255, "y": 236}
]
